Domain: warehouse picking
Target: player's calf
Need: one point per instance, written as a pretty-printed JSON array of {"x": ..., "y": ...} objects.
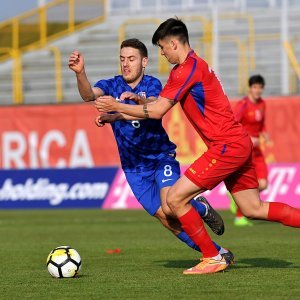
[
  {"x": 168, "y": 222},
  {"x": 175, "y": 227}
]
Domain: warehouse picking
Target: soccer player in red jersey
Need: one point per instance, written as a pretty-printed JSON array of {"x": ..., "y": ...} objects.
[
  {"x": 229, "y": 156},
  {"x": 250, "y": 112}
]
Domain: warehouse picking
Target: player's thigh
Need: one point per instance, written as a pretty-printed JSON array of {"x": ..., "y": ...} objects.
[
  {"x": 262, "y": 184},
  {"x": 170, "y": 223},
  {"x": 250, "y": 204},
  {"x": 167, "y": 173},
  {"x": 145, "y": 190}
]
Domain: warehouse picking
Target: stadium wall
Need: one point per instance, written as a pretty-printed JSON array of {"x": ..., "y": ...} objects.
[{"x": 53, "y": 156}]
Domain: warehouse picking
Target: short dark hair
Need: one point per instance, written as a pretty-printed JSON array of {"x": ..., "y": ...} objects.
[
  {"x": 171, "y": 27},
  {"x": 136, "y": 44},
  {"x": 256, "y": 79}
]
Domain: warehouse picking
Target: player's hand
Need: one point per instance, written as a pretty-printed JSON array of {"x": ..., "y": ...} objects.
[
  {"x": 109, "y": 118},
  {"x": 98, "y": 122},
  {"x": 76, "y": 62},
  {"x": 132, "y": 96},
  {"x": 266, "y": 138},
  {"x": 106, "y": 104}
]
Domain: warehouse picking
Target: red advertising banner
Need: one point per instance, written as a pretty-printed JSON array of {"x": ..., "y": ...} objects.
[
  {"x": 54, "y": 136},
  {"x": 61, "y": 136}
]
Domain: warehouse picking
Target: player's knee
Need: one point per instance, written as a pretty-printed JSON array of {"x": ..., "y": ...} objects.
[
  {"x": 256, "y": 212},
  {"x": 249, "y": 213},
  {"x": 173, "y": 200},
  {"x": 263, "y": 184}
]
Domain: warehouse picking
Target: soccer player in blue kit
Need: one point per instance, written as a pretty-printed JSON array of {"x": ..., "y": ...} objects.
[{"x": 147, "y": 155}]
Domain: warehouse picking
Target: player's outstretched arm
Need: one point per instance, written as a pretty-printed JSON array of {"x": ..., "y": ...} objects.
[
  {"x": 110, "y": 118},
  {"x": 76, "y": 64},
  {"x": 136, "y": 98},
  {"x": 154, "y": 110}
]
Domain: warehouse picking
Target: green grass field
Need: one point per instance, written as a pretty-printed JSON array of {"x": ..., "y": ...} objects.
[{"x": 150, "y": 264}]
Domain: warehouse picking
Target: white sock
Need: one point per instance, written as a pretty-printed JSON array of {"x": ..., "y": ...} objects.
[
  {"x": 217, "y": 257},
  {"x": 223, "y": 250}
]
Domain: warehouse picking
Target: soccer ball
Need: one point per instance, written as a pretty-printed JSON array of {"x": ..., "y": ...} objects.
[{"x": 63, "y": 262}]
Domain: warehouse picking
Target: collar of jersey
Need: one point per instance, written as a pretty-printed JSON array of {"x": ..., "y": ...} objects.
[{"x": 130, "y": 86}]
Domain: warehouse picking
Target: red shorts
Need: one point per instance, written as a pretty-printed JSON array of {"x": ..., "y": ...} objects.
[
  {"x": 231, "y": 163},
  {"x": 259, "y": 163}
]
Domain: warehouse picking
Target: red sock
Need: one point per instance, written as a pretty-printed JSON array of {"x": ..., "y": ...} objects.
[
  {"x": 239, "y": 213},
  {"x": 193, "y": 225},
  {"x": 285, "y": 214}
]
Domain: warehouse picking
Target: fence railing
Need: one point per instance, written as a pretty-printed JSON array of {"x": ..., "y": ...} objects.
[
  {"x": 246, "y": 60},
  {"x": 35, "y": 29}
]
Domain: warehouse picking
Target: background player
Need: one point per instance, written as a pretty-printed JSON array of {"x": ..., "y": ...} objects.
[
  {"x": 229, "y": 156},
  {"x": 250, "y": 112},
  {"x": 146, "y": 153}
]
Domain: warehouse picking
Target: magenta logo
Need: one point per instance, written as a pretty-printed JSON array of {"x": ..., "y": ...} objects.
[
  {"x": 120, "y": 195},
  {"x": 284, "y": 186}
]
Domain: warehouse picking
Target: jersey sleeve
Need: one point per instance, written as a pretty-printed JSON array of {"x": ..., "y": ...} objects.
[
  {"x": 181, "y": 80},
  {"x": 105, "y": 85},
  {"x": 154, "y": 88},
  {"x": 240, "y": 110}
]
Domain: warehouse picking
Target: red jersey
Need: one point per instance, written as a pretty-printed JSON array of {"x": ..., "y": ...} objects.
[
  {"x": 203, "y": 100},
  {"x": 251, "y": 115}
]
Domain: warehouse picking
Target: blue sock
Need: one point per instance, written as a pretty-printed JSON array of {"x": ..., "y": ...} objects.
[
  {"x": 186, "y": 239},
  {"x": 199, "y": 206}
]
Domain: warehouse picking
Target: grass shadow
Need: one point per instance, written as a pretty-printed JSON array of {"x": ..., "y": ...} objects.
[
  {"x": 177, "y": 263},
  {"x": 259, "y": 262},
  {"x": 263, "y": 262}
]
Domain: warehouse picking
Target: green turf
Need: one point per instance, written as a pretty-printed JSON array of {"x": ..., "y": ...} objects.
[{"x": 150, "y": 264}]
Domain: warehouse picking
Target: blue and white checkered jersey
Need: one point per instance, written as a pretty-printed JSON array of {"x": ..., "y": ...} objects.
[{"x": 142, "y": 144}]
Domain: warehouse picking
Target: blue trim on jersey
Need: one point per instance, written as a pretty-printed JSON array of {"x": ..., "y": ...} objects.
[
  {"x": 197, "y": 93},
  {"x": 188, "y": 79},
  {"x": 224, "y": 149}
]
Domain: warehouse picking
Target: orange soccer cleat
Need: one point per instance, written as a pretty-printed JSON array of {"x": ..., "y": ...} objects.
[{"x": 207, "y": 265}]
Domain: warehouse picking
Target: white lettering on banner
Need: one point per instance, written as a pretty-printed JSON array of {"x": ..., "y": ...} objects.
[
  {"x": 297, "y": 192},
  {"x": 55, "y": 193},
  {"x": 81, "y": 155},
  {"x": 49, "y": 138},
  {"x": 280, "y": 179},
  {"x": 16, "y": 145},
  {"x": 33, "y": 149}
]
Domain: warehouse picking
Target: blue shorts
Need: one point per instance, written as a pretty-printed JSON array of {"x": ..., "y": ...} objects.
[{"x": 146, "y": 185}]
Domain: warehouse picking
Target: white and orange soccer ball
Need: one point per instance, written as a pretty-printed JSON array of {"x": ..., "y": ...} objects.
[{"x": 63, "y": 262}]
